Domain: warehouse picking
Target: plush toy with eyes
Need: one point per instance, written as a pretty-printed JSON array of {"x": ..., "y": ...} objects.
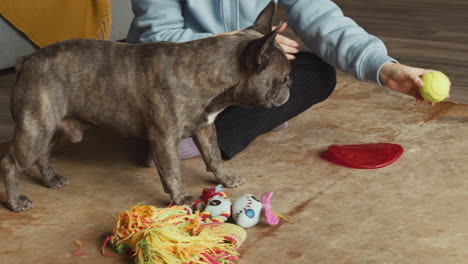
[
  {"x": 214, "y": 206},
  {"x": 245, "y": 211}
]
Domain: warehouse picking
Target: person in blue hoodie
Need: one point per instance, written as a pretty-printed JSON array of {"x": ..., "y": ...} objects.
[{"x": 334, "y": 39}]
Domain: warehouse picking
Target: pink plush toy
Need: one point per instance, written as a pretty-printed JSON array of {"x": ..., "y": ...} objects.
[{"x": 245, "y": 211}]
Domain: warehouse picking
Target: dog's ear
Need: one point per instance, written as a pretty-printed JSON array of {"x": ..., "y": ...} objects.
[
  {"x": 264, "y": 20},
  {"x": 258, "y": 52}
]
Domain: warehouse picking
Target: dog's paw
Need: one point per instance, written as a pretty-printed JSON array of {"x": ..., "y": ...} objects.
[
  {"x": 231, "y": 180},
  {"x": 22, "y": 203},
  {"x": 184, "y": 199},
  {"x": 58, "y": 182}
]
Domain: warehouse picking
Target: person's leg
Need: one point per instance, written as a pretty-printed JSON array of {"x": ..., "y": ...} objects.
[{"x": 313, "y": 80}]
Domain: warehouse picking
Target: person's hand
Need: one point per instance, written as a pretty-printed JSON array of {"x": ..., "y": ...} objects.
[
  {"x": 402, "y": 78},
  {"x": 289, "y": 46}
]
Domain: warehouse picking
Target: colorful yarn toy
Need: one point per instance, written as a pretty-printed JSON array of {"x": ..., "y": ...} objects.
[{"x": 173, "y": 235}]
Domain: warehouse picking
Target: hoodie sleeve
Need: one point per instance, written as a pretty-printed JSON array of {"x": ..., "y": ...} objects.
[
  {"x": 160, "y": 20},
  {"x": 337, "y": 39}
]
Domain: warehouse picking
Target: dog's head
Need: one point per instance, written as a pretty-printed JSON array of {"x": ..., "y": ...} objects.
[{"x": 264, "y": 65}]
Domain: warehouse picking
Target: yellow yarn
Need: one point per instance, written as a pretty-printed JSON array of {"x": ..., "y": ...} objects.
[
  {"x": 166, "y": 245},
  {"x": 280, "y": 216},
  {"x": 170, "y": 236}
]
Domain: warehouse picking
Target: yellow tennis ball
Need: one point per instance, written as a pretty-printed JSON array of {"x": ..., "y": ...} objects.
[{"x": 436, "y": 87}]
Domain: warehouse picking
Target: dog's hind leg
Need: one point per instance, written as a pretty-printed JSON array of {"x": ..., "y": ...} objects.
[
  {"x": 73, "y": 130},
  {"x": 11, "y": 170},
  {"x": 29, "y": 141},
  {"x": 29, "y": 145},
  {"x": 49, "y": 177}
]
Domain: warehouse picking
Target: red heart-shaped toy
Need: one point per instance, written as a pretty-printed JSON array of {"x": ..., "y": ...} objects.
[{"x": 364, "y": 156}]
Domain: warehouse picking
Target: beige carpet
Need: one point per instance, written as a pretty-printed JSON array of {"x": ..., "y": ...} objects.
[{"x": 413, "y": 211}]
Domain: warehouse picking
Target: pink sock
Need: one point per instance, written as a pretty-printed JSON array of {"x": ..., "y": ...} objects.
[
  {"x": 188, "y": 149},
  {"x": 282, "y": 126}
]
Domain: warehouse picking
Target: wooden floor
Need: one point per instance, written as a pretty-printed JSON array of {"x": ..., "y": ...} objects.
[{"x": 422, "y": 33}]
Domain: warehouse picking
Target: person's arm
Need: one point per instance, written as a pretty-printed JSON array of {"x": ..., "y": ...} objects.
[
  {"x": 337, "y": 39},
  {"x": 342, "y": 43},
  {"x": 160, "y": 20}
]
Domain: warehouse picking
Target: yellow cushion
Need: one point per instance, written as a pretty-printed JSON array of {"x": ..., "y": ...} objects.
[{"x": 48, "y": 21}]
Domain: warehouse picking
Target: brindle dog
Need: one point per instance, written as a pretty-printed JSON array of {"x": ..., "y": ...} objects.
[{"x": 160, "y": 91}]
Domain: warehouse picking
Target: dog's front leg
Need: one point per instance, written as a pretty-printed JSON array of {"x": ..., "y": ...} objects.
[
  {"x": 207, "y": 142},
  {"x": 166, "y": 159}
]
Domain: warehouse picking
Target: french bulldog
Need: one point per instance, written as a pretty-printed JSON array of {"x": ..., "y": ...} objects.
[{"x": 160, "y": 91}]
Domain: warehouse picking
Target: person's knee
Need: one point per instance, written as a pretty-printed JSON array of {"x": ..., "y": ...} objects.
[
  {"x": 321, "y": 75},
  {"x": 328, "y": 81}
]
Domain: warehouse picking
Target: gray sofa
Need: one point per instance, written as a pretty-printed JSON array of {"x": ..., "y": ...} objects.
[{"x": 13, "y": 44}]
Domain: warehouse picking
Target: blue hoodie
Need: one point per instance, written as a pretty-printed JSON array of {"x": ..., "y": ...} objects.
[{"x": 319, "y": 23}]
